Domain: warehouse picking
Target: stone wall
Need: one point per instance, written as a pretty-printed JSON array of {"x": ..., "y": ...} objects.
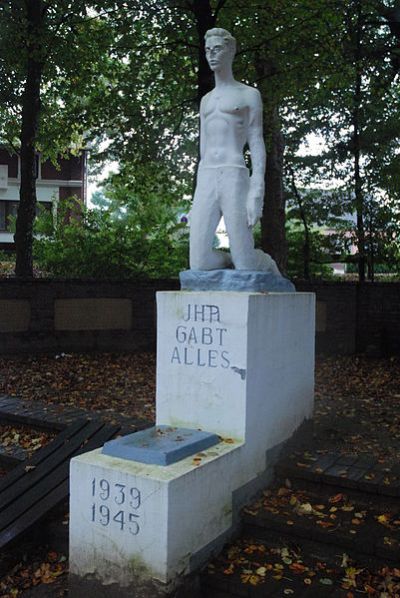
[
  {"x": 378, "y": 326},
  {"x": 354, "y": 317},
  {"x": 336, "y": 317},
  {"x": 62, "y": 316}
]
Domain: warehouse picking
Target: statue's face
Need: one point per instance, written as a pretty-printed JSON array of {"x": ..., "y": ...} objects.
[{"x": 218, "y": 53}]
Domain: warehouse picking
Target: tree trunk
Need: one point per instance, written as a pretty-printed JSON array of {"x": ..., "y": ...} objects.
[
  {"x": 30, "y": 123},
  {"x": 358, "y": 192},
  {"x": 371, "y": 256},
  {"x": 273, "y": 233},
  {"x": 205, "y": 20},
  {"x": 303, "y": 216}
]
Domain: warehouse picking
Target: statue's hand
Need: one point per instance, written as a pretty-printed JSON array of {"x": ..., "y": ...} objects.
[{"x": 254, "y": 208}]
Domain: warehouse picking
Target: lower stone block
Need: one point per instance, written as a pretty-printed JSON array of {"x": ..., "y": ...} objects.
[{"x": 133, "y": 523}]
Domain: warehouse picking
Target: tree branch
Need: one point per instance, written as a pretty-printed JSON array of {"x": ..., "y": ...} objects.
[
  {"x": 220, "y": 5},
  {"x": 155, "y": 46}
]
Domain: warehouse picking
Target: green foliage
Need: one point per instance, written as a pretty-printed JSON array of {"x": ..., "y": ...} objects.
[
  {"x": 99, "y": 201},
  {"x": 382, "y": 224},
  {"x": 104, "y": 245},
  {"x": 6, "y": 257},
  {"x": 355, "y": 108},
  {"x": 321, "y": 251},
  {"x": 127, "y": 73},
  {"x": 79, "y": 72},
  {"x": 150, "y": 112},
  {"x": 391, "y": 270}
]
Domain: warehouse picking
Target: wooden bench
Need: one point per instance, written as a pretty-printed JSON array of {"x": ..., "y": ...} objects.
[{"x": 30, "y": 490}]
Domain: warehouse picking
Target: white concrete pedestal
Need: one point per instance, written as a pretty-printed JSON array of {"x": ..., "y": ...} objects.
[{"x": 237, "y": 364}]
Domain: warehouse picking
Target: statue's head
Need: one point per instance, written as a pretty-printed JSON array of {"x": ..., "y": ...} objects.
[{"x": 220, "y": 47}]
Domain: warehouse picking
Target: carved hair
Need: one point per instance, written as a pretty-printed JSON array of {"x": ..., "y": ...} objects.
[{"x": 226, "y": 36}]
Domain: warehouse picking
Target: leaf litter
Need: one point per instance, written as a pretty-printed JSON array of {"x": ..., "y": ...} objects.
[
  {"x": 352, "y": 395},
  {"x": 250, "y": 562},
  {"x": 23, "y": 437},
  {"x": 42, "y": 567},
  {"x": 119, "y": 383}
]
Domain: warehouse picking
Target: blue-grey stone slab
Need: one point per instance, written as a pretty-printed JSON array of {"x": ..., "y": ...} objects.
[
  {"x": 235, "y": 280},
  {"x": 160, "y": 445}
]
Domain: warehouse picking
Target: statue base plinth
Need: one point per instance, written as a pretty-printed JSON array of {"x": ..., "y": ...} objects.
[
  {"x": 235, "y": 280},
  {"x": 237, "y": 365}
]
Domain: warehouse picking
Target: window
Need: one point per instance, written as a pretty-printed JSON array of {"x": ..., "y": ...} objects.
[
  {"x": 3, "y": 176},
  {"x": 7, "y": 209},
  {"x": 11, "y": 212},
  {"x": 2, "y": 215}
]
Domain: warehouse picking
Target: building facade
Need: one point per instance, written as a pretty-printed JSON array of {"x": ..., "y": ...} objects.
[{"x": 52, "y": 185}]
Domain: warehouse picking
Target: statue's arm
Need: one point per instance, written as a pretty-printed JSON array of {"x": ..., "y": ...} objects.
[{"x": 255, "y": 198}]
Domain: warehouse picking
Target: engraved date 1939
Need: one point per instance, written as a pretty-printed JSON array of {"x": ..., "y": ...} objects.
[{"x": 117, "y": 505}]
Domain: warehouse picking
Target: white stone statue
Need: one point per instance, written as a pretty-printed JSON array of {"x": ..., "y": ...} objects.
[{"x": 230, "y": 117}]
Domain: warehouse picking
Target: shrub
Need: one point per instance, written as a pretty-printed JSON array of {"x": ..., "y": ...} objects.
[{"x": 86, "y": 243}]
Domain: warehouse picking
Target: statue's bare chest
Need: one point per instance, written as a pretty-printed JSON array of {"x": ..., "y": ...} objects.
[{"x": 226, "y": 103}]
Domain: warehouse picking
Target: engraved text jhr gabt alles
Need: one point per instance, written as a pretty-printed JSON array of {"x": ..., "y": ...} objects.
[{"x": 200, "y": 341}]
